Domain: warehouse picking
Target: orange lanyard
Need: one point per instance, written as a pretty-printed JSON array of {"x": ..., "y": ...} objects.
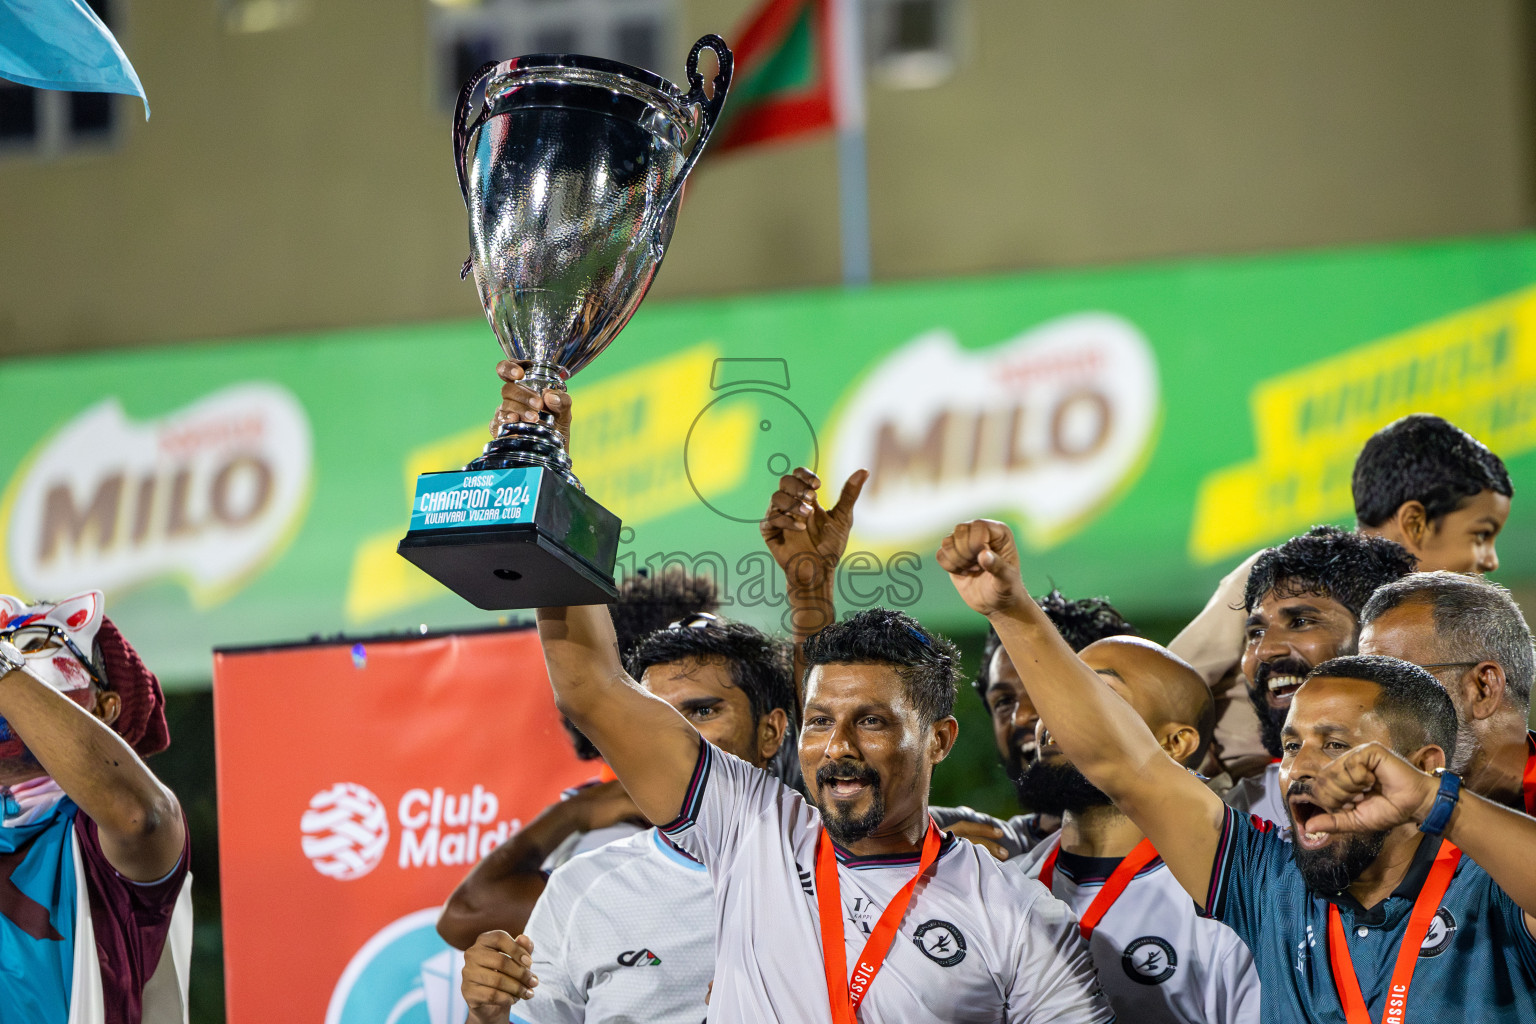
[
  {"x": 1424, "y": 909},
  {"x": 1529, "y": 781},
  {"x": 845, "y": 995},
  {"x": 1138, "y": 858}
]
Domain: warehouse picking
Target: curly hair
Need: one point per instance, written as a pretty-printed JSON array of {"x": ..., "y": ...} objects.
[
  {"x": 1081, "y": 622},
  {"x": 1329, "y": 562},
  {"x": 760, "y": 665},
  {"x": 1426, "y": 459},
  {"x": 649, "y": 603},
  {"x": 925, "y": 661}
]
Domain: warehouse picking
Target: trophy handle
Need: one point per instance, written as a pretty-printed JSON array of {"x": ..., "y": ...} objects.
[
  {"x": 711, "y": 114},
  {"x": 462, "y": 129}
]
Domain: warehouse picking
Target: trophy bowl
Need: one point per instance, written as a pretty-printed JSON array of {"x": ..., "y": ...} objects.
[{"x": 571, "y": 172}]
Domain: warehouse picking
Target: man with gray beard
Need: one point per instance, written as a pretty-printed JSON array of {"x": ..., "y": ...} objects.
[{"x": 1469, "y": 634}]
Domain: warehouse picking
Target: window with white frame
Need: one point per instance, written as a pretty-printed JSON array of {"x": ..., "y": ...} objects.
[
  {"x": 466, "y": 35},
  {"x": 912, "y": 44},
  {"x": 42, "y": 122}
]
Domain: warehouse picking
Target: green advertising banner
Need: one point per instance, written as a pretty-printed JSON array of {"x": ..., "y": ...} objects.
[{"x": 1143, "y": 429}]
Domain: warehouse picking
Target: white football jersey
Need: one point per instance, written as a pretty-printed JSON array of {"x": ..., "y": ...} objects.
[
  {"x": 578, "y": 843},
  {"x": 1158, "y": 959},
  {"x": 625, "y": 933},
  {"x": 1260, "y": 795},
  {"x": 977, "y": 944}
]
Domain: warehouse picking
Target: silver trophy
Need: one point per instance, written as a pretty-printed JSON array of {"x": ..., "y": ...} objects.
[{"x": 571, "y": 171}]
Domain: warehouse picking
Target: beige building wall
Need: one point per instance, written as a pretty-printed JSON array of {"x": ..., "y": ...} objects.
[{"x": 302, "y": 179}]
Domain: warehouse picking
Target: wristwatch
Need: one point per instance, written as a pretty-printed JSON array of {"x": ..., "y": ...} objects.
[
  {"x": 10, "y": 658},
  {"x": 1439, "y": 815}
]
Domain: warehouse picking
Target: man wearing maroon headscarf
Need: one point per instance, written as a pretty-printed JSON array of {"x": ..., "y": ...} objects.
[{"x": 95, "y": 911}]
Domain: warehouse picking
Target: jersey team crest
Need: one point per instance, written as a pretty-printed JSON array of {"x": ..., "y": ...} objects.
[
  {"x": 1149, "y": 960},
  {"x": 1442, "y": 929},
  {"x": 940, "y": 942}
]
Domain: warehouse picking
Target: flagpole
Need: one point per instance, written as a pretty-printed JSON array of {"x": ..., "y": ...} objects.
[{"x": 853, "y": 171}]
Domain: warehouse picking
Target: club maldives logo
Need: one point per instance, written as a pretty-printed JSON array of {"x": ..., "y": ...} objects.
[
  {"x": 207, "y": 494},
  {"x": 345, "y": 831},
  {"x": 1049, "y": 426}
]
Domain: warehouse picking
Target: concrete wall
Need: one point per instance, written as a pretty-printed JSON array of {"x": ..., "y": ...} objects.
[{"x": 302, "y": 178}]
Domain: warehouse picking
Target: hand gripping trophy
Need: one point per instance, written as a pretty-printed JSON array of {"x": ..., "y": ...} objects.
[{"x": 571, "y": 172}]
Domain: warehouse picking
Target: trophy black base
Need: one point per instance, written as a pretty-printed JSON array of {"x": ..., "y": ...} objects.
[{"x": 513, "y": 538}]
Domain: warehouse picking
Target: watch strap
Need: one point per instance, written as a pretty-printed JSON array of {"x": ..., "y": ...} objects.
[{"x": 1439, "y": 815}]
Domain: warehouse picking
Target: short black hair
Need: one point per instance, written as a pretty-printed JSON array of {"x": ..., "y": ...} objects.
[
  {"x": 1081, "y": 622},
  {"x": 760, "y": 665},
  {"x": 1475, "y": 620},
  {"x": 925, "y": 661},
  {"x": 1347, "y": 567},
  {"x": 1415, "y": 705},
  {"x": 1426, "y": 459}
]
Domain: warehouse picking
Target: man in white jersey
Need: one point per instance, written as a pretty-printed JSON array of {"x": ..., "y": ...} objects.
[
  {"x": 972, "y": 942},
  {"x": 1159, "y": 961},
  {"x": 627, "y": 932}
]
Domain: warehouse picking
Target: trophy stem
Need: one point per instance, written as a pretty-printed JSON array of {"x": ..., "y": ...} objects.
[
  {"x": 536, "y": 444},
  {"x": 543, "y": 377}
]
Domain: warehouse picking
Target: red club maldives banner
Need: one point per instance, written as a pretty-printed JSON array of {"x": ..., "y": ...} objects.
[{"x": 358, "y": 782}]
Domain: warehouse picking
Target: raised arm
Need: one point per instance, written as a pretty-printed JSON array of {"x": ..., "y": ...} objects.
[
  {"x": 808, "y": 541},
  {"x": 137, "y": 818},
  {"x": 1102, "y": 735},
  {"x": 1370, "y": 789},
  {"x": 650, "y": 747}
]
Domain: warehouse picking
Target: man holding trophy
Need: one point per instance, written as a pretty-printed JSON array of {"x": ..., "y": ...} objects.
[{"x": 571, "y": 171}]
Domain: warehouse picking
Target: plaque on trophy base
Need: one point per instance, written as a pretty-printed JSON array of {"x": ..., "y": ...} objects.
[
  {"x": 505, "y": 538},
  {"x": 571, "y": 173}
]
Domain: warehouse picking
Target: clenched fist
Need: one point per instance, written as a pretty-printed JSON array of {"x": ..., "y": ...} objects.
[
  {"x": 498, "y": 971},
  {"x": 983, "y": 564}
]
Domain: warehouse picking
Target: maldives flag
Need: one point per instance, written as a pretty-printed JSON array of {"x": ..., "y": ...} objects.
[{"x": 784, "y": 75}]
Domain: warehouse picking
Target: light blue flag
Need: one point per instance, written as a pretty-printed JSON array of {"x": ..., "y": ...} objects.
[{"x": 61, "y": 44}]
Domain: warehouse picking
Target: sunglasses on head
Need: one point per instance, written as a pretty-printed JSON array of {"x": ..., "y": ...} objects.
[{"x": 695, "y": 620}]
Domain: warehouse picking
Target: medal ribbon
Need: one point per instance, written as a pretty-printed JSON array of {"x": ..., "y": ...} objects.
[
  {"x": 845, "y": 995},
  {"x": 1424, "y": 909},
  {"x": 1528, "y": 782},
  {"x": 1138, "y": 858}
]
